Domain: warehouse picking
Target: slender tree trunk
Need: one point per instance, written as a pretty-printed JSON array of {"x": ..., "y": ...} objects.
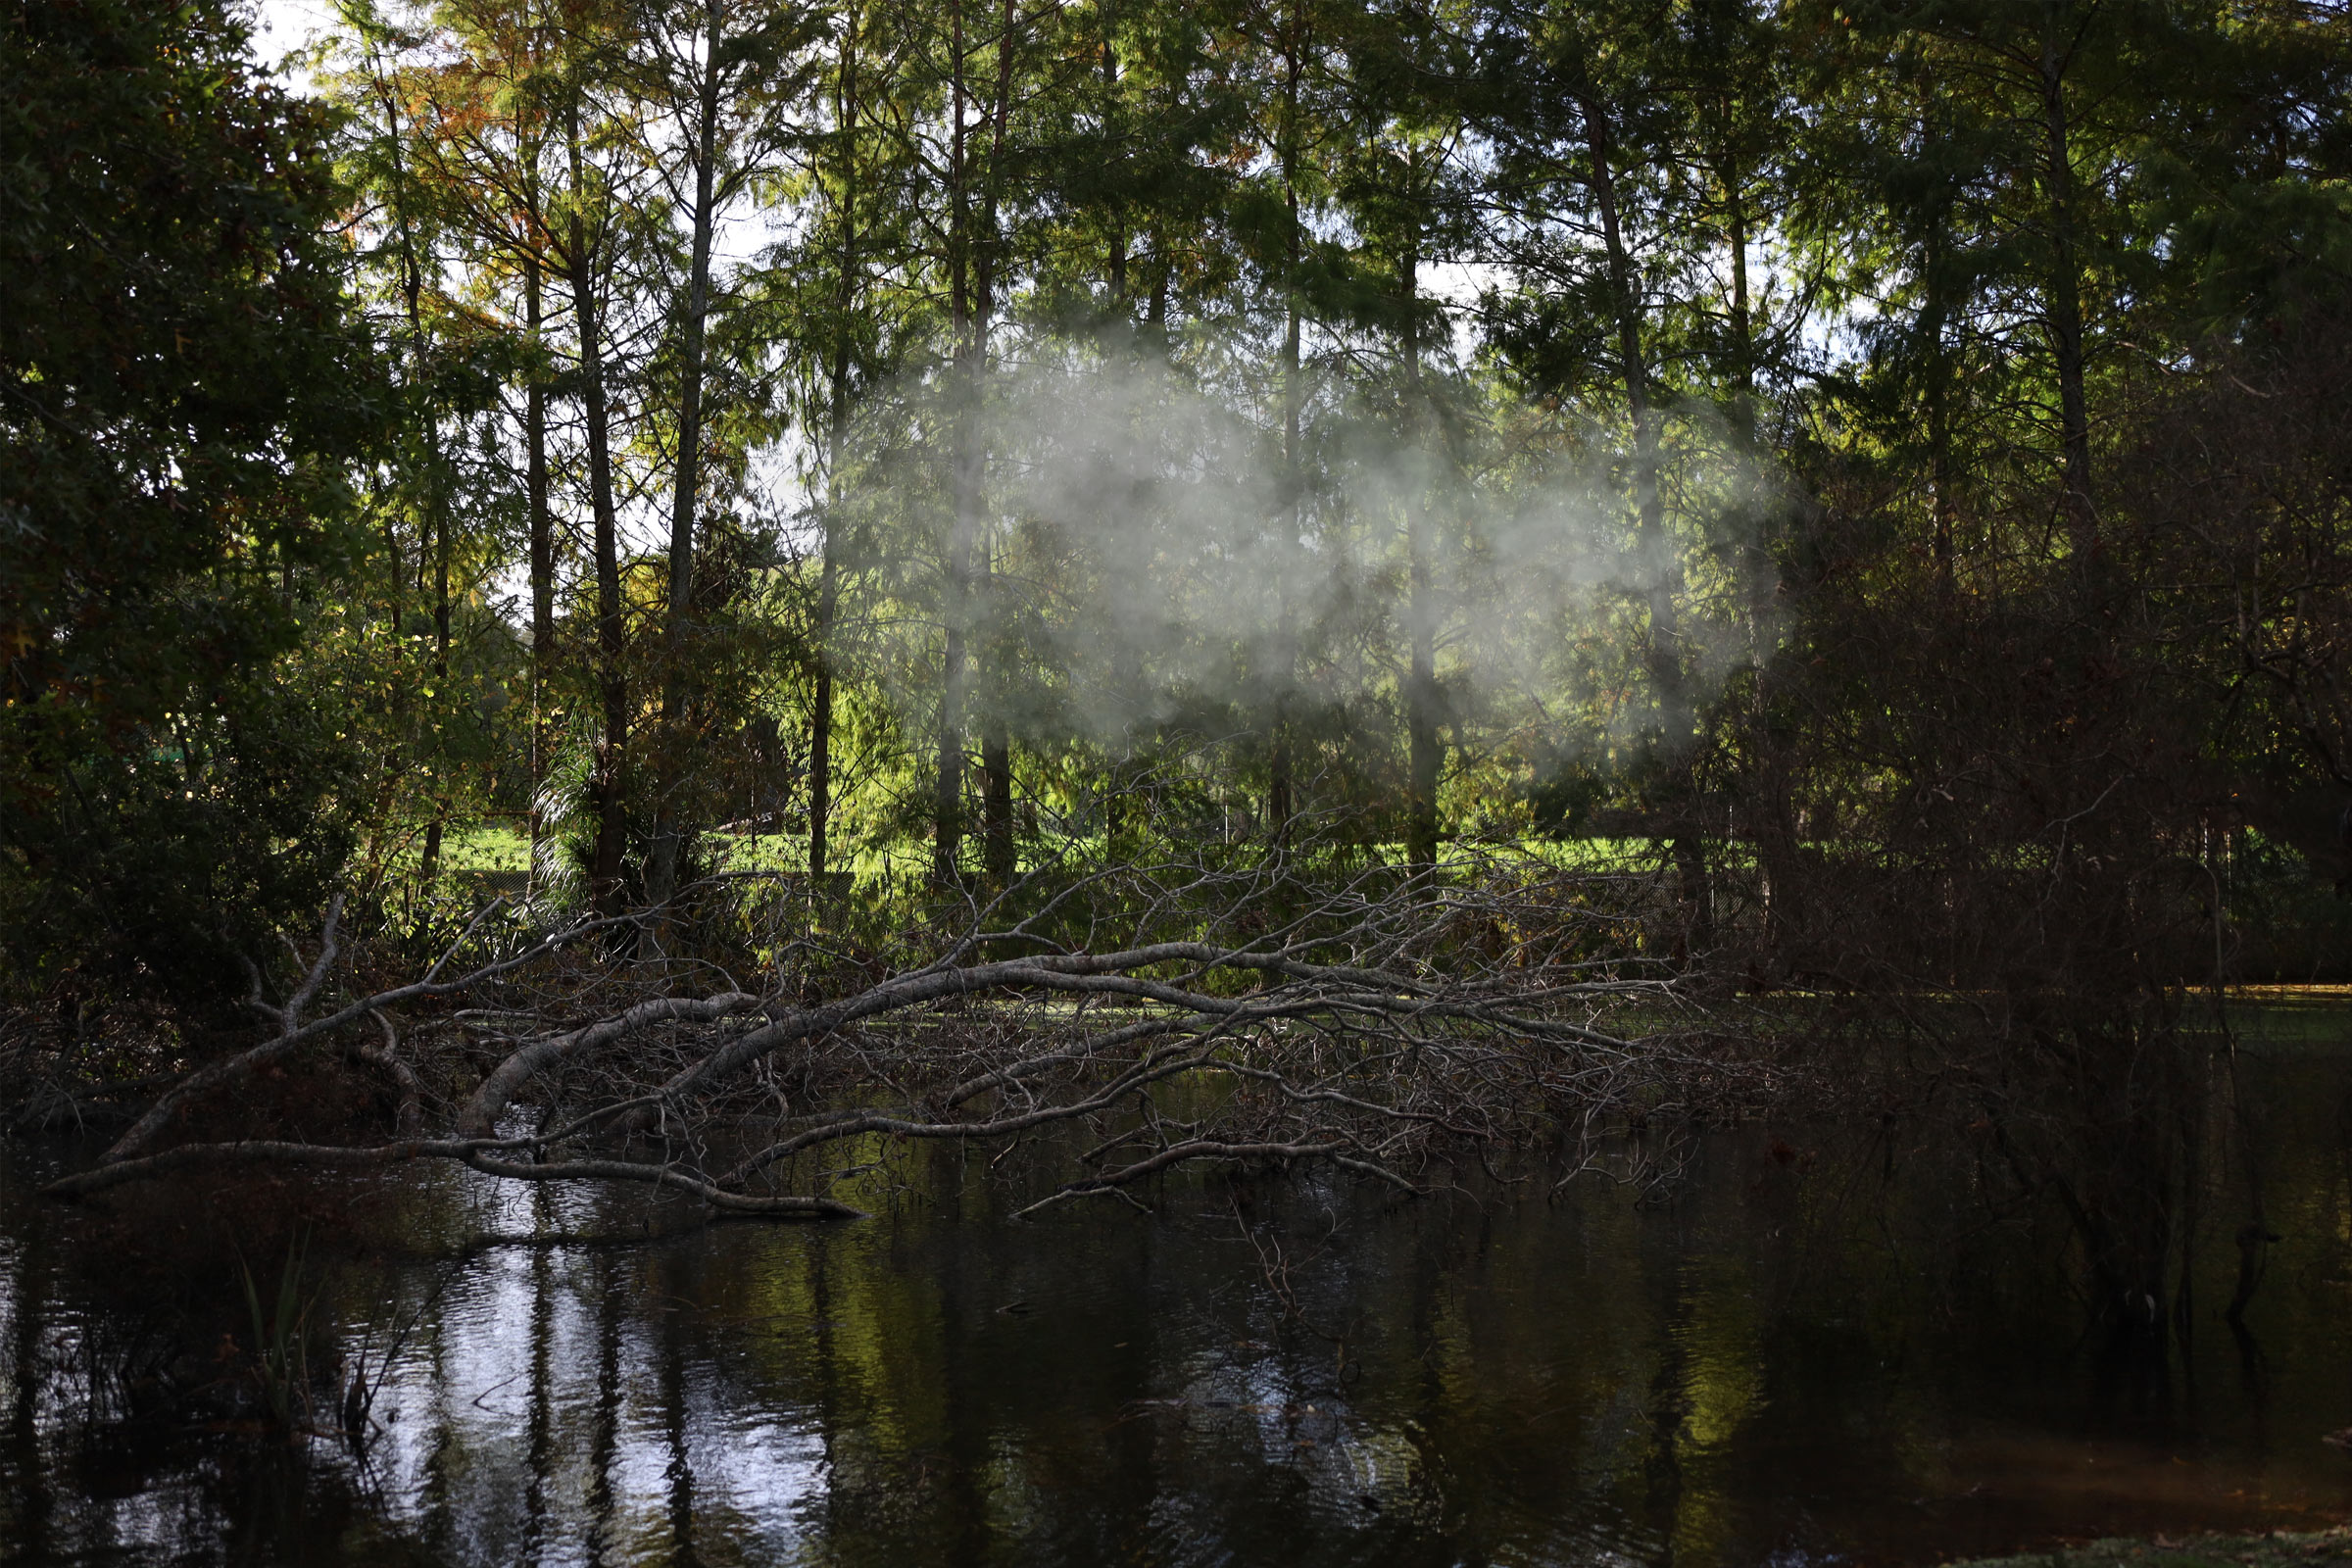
[
  {"x": 1425, "y": 748},
  {"x": 2066, "y": 304},
  {"x": 1762, "y": 579},
  {"x": 1424, "y": 752},
  {"x": 543, "y": 552},
  {"x": 686, "y": 487},
  {"x": 1116, "y": 267},
  {"x": 429, "y": 862},
  {"x": 1282, "y": 806},
  {"x": 396, "y": 605},
  {"x": 971, "y": 305},
  {"x": 441, "y": 602},
  {"x": 1126, "y": 674},
  {"x": 820, "y": 724},
  {"x": 829, "y": 583},
  {"x": 995, "y": 744},
  {"x": 1634, "y": 368},
  {"x": 947, "y": 802},
  {"x": 1654, "y": 550},
  {"x": 1744, "y": 349},
  {"x": 948, "y": 788},
  {"x": 412, "y": 285},
  {"x": 995, "y": 779},
  {"x": 608, "y": 786},
  {"x": 1941, "y": 475}
]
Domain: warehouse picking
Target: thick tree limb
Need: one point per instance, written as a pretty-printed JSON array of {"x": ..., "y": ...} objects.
[
  {"x": 1372, "y": 1029},
  {"x": 409, "y": 1116},
  {"x": 490, "y": 1101},
  {"x": 228, "y": 1070}
]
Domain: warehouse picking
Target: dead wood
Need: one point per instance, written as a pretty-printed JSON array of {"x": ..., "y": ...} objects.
[{"x": 1379, "y": 1027}]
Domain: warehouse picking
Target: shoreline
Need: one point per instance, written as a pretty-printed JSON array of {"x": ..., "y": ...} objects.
[{"x": 2268, "y": 1550}]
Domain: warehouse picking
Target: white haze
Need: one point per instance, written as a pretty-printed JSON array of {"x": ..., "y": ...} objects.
[{"x": 1144, "y": 560}]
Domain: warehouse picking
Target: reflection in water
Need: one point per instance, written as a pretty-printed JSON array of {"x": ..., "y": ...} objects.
[{"x": 1789, "y": 1360}]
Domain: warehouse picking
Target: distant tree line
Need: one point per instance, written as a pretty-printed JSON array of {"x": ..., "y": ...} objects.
[{"x": 1883, "y": 458}]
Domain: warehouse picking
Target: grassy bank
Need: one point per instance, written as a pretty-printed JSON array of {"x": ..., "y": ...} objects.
[{"x": 2270, "y": 1551}]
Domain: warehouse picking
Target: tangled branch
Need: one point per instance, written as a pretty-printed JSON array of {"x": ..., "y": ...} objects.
[{"x": 1235, "y": 1017}]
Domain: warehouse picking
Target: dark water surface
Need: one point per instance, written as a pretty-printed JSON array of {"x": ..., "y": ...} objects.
[{"x": 1825, "y": 1345}]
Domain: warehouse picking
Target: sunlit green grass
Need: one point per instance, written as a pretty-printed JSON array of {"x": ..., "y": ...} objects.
[
  {"x": 486, "y": 847},
  {"x": 503, "y": 847}
]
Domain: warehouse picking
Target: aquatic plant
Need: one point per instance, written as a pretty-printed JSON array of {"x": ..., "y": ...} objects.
[{"x": 281, "y": 1337}]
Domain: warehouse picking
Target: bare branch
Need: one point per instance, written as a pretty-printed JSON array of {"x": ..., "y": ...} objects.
[{"x": 1378, "y": 1024}]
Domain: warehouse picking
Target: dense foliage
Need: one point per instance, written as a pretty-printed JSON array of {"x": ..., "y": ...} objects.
[
  {"x": 946, "y": 438},
  {"x": 183, "y": 395}
]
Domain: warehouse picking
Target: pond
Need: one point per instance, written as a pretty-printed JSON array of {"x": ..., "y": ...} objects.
[{"x": 1815, "y": 1346}]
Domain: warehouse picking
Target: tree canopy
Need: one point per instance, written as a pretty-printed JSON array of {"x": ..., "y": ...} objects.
[
  {"x": 902, "y": 448},
  {"x": 184, "y": 399}
]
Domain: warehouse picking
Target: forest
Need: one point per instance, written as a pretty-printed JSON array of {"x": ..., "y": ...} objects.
[{"x": 697, "y": 595}]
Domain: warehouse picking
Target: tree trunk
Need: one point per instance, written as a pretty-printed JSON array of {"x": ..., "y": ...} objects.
[
  {"x": 971, "y": 305},
  {"x": 996, "y": 778},
  {"x": 1282, "y": 805},
  {"x": 1649, "y": 500},
  {"x": 995, "y": 744},
  {"x": 429, "y": 862},
  {"x": 947, "y": 797},
  {"x": 1744, "y": 351},
  {"x": 820, "y": 724},
  {"x": 607, "y": 785},
  {"x": 828, "y": 580},
  {"x": 1424, "y": 753},
  {"x": 1117, "y": 266},
  {"x": 412, "y": 285},
  {"x": 686, "y": 488},
  {"x": 2066, "y": 304},
  {"x": 543, "y": 553},
  {"x": 1654, "y": 552},
  {"x": 1941, "y": 475}
]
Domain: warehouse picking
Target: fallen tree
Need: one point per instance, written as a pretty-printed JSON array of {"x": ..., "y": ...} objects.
[{"x": 1374, "y": 1024}]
